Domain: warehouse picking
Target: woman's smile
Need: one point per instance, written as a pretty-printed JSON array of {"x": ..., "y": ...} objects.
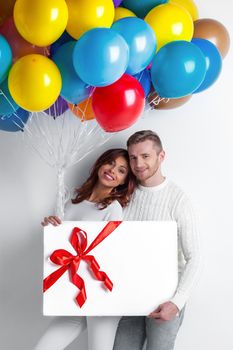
[{"x": 108, "y": 176}]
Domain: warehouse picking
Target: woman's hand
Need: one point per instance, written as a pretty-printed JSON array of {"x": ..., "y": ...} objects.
[{"x": 54, "y": 220}]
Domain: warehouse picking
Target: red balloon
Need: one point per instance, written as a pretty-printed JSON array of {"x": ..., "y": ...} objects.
[
  {"x": 118, "y": 106},
  {"x": 6, "y": 9},
  {"x": 19, "y": 46}
]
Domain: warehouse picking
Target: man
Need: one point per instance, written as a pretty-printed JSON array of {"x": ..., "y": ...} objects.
[{"x": 157, "y": 198}]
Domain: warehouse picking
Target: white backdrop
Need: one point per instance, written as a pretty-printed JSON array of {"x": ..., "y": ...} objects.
[{"x": 199, "y": 146}]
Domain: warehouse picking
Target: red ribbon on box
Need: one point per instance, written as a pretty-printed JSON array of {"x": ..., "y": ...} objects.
[{"x": 71, "y": 262}]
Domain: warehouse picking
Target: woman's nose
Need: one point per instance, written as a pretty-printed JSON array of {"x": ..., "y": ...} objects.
[{"x": 112, "y": 169}]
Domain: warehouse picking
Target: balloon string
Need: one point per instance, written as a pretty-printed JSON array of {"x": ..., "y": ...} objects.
[
  {"x": 7, "y": 99},
  {"x": 60, "y": 145},
  {"x": 141, "y": 75},
  {"x": 76, "y": 141},
  {"x": 157, "y": 99},
  {"x": 62, "y": 142},
  {"x": 48, "y": 140},
  {"x": 60, "y": 193},
  {"x": 92, "y": 133},
  {"x": 20, "y": 124},
  {"x": 36, "y": 150},
  {"x": 40, "y": 135}
]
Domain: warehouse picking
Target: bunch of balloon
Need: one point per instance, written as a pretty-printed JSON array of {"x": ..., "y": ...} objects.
[
  {"x": 95, "y": 64},
  {"x": 34, "y": 96}
]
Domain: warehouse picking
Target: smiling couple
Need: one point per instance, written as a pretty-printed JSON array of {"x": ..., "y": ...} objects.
[{"x": 129, "y": 185}]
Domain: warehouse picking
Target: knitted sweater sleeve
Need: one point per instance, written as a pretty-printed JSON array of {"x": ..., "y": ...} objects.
[{"x": 188, "y": 237}]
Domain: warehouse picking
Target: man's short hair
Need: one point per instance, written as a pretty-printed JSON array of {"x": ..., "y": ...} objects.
[{"x": 143, "y": 135}]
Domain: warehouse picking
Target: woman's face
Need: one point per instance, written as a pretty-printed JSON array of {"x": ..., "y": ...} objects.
[{"x": 113, "y": 173}]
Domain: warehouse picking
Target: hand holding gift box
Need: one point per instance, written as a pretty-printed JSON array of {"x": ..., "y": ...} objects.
[{"x": 139, "y": 257}]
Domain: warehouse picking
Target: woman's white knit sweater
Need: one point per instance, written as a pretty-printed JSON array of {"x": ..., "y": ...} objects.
[{"x": 168, "y": 202}]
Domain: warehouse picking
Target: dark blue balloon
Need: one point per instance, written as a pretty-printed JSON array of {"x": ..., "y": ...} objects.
[
  {"x": 101, "y": 56},
  {"x": 178, "y": 69},
  {"x": 142, "y": 7},
  {"x": 7, "y": 104},
  {"x": 15, "y": 121},
  {"x": 141, "y": 41},
  {"x": 74, "y": 90},
  {"x": 213, "y": 62},
  {"x": 144, "y": 79},
  {"x": 64, "y": 38}
]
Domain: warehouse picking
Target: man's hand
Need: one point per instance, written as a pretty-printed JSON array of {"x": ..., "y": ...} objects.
[{"x": 164, "y": 312}]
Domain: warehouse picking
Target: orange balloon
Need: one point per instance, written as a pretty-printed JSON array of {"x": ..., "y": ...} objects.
[
  {"x": 19, "y": 46},
  {"x": 157, "y": 103},
  {"x": 214, "y": 31},
  {"x": 83, "y": 110}
]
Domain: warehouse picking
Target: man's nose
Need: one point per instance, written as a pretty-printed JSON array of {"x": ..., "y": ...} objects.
[{"x": 139, "y": 163}]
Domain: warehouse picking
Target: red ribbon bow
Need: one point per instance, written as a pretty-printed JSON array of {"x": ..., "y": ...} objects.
[{"x": 71, "y": 262}]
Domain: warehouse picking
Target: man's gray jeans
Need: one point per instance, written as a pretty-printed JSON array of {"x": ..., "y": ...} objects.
[{"x": 132, "y": 332}]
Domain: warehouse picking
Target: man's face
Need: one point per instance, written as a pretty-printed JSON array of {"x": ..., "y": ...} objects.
[{"x": 145, "y": 159}]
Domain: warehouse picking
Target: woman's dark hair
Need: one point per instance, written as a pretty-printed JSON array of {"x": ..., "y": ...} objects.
[{"x": 122, "y": 193}]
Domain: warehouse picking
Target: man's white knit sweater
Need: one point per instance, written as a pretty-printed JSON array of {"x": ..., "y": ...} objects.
[{"x": 168, "y": 202}]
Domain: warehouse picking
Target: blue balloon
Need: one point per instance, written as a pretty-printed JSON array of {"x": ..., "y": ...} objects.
[
  {"x": 101, "y": 56},
  {"x": 74, "y": 90},
  {"x": 213, "y": 63},
  {"x": 5, "y": 58},
  {"x": 178, "y": 69},
  {"x": 15, "y": 121},
  {"x": 141, "y": 40},
  {"x": 142, "y": 7},
  {"x": 64, "y": 38},
  {"x": 7, "y": 104},
  {"x": 144, "y": 79}
]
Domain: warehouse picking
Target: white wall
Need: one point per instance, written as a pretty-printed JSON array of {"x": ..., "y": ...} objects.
[{"x": 199, "y": 145}]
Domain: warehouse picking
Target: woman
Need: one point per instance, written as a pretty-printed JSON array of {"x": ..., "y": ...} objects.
[{"x": 102, "y": 196}]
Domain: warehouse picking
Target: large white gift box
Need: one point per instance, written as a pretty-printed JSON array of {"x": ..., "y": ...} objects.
[{"x": 139, "y": 257}]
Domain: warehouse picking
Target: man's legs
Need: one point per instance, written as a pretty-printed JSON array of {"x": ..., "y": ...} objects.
[
  {"x": 131, "y": 333},
  {"x": 162, "y": 336}
]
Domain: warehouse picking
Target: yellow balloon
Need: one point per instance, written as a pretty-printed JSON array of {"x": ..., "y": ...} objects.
[
  {"x": 34, "y": 82},
  {"x": 88, "y": 14},
  {"x": 41, "y": 22},
  {"x": 170, "y": 22},
  {"x": 189, "y": 5},
  {"x": 121, "y": 12}
]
